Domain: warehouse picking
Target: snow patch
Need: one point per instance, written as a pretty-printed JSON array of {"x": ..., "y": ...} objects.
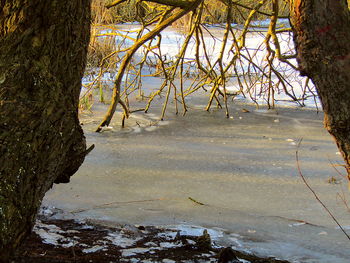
[
  {"x": 49, "y": 237},
  {"x": 120, "y": 241},
  {"x": 50, "y": 234},
  {"x": 93, "y": 249},
  {"x": 168, "y": 245},
  {"x": 167, "y": 235},
  {"x": 130, "y": 252}
]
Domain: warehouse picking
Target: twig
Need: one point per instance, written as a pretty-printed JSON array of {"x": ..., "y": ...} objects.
[
  {"x": 314, "y": 193},
  {"x": 195, "y": 201},
  {"x": 343, "y": 199}
]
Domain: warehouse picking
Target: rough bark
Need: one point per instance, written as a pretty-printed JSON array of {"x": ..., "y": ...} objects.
[
  {"x": 43, "y": 47},
  {"x": 322, "y": 37}
]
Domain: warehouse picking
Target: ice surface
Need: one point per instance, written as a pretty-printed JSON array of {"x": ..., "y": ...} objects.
[{"x": 242, "y": 169}]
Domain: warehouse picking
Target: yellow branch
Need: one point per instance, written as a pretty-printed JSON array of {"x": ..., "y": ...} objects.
[{"x": 160, "y": 27}]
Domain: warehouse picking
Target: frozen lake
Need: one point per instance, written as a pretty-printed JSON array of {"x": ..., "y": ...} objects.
[{"x": 242, "y": 169}]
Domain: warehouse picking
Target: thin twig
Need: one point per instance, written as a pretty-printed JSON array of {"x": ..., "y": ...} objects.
[{"x": 314, "y": 193}]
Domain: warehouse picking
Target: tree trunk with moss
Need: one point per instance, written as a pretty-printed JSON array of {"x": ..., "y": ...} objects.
[
  {"x": 322, "y": 38},
  {"x": 43, "y": 47}
]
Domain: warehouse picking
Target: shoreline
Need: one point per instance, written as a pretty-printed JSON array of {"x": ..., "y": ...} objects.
[{"x": 64, "y": 241}]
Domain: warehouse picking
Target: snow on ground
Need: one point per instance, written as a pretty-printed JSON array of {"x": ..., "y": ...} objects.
[
  {"x": 51, "y": 234},
  {"x": 119, "y": 240},
  {"x": 132, "y": 243}
]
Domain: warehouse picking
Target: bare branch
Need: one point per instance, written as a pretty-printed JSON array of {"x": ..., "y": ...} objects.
[
  {"x": 115, "y": 3},
  {"x": 314, "y": 193},
  {"x": 174, "y": 3},
  {"x": 116, "y": 89}
]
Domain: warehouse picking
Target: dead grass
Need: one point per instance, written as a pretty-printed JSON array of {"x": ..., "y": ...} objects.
[
  {"x": 125, "y": 12},
  {"x": 99, "y": 48}
]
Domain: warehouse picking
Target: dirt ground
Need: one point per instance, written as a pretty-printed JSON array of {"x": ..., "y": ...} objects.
[{"x": 89, "y": 242}]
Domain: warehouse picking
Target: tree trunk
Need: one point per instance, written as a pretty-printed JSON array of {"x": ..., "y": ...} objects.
[
  {"x": 43, "y": 45},
  {"x": 322, "y": 39}
]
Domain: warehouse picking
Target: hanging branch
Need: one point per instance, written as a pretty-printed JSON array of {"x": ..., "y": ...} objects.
[
  {"x": 116, "y": 89},
  {"x": 178, "y": 62},
  {"x": 259, "y": 76}
]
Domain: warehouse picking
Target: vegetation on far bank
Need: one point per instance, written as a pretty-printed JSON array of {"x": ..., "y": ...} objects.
[{"x": 135, "y": 11}]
